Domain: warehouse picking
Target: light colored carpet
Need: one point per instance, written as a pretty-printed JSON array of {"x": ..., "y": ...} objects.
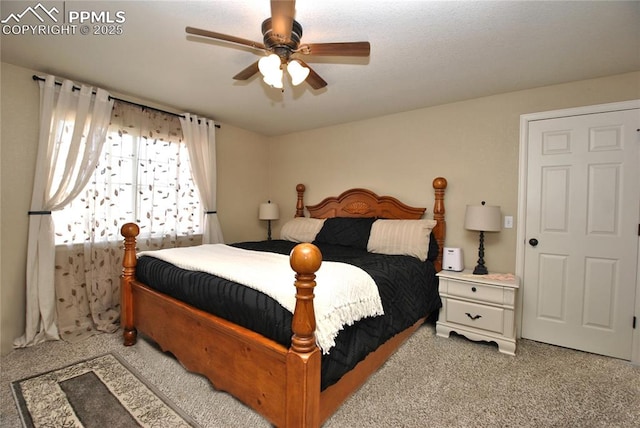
[{"x": 430, "y": 381}]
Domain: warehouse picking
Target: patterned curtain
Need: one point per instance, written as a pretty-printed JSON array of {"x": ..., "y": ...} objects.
[{"x": 143, "y": 176}]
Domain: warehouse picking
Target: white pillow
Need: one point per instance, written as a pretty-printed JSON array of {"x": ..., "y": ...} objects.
[
  {"x": 301, "y": 229},
  {"x": 401, "y": 237}
]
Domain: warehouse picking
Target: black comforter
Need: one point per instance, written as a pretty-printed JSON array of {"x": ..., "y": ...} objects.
[{"x": 408, "y": 289}]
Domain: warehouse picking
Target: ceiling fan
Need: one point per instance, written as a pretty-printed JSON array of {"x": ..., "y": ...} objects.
[{"x": 282, "y": 35}]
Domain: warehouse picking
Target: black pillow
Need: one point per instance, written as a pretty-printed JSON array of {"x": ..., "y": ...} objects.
[
  {"x": 432, "y": 255},
  {"x": 345, "y": 231}
]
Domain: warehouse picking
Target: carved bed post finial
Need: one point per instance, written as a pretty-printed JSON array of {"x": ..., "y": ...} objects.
[
  {"x": 303, "y": 357},
  {"x": 129, "y": 261},
  {"x": 305, "y": 259},
  {"x": 440, "y": 231},
  {"x": 300, "y": 203}
]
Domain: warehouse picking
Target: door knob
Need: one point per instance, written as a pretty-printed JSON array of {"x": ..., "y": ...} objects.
[{"x": 533, "y": 242}]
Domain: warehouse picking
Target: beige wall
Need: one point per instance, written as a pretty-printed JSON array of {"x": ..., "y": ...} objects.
[
  {"x": 19, "y": 139},
  {"x": 474, "y": 144},
  {"x": 242, "y": 185}
]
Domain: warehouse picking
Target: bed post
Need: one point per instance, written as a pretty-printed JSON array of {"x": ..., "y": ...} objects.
[
  {"x": 440, "y": 231},
  {"x": 303, "y": 358},
  {"x": 129, "y": 261},
  {"x": 300, "y": 203}
]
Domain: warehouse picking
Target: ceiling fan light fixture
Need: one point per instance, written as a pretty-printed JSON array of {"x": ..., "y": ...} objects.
[
  {"x": 297, "y": 71},
  {"x": 282, "y": 35}
]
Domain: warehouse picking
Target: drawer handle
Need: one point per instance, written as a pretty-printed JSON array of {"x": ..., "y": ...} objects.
[
  {"x": 473, "y": 289},
  {"x": 473, "y": 317}
]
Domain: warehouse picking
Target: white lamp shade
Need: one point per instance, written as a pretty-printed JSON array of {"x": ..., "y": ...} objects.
[
  {"x": 269, "y": 211},
  {"x": 485, "y": 218},
  {"x": 297, "y": 71},
  {"x": 269, "y": 67},
  {"x": 269, "y": 64},
  {"x": 274, "y": 79}
]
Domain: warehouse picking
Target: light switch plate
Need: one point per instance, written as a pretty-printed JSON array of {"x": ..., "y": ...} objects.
[{"x": 508, "y": 222}]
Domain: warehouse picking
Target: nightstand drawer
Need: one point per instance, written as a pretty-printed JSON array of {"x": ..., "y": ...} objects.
[
  {"x": 474, "y": 291},
  {"x": 473, "y": 315}
]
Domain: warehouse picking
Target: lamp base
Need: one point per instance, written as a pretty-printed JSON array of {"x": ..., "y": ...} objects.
[{"x": 480, "y": 270}]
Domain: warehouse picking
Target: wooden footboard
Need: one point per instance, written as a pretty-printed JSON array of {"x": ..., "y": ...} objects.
[{"x": 281, "y": 384}]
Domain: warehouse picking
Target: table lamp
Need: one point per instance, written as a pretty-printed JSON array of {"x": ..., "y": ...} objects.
[
  {"x": 269, "y": 211},
  {"x": 482, "y": 218}
]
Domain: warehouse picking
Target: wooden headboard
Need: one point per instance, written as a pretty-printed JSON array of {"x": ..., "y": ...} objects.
[{"x": 365, "y": 203}]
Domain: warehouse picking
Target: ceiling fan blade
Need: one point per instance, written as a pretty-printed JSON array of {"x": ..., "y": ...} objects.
[
  {"x": 247, "y": 72},
  {"x": 282, "y": 13},
  {"x": 225, "y": 37},
  {"x": 336, "y": 49},
  {"x": 313, "y": 79}
]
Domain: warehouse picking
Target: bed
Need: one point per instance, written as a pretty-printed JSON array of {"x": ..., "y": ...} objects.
[{"x": 282, "y": 378}]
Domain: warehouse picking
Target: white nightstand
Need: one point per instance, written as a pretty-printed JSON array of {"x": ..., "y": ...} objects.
[{"x": 479, "y": 307}]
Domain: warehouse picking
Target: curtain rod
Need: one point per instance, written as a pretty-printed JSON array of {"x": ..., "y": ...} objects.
[{"x": 35, "y": 77}]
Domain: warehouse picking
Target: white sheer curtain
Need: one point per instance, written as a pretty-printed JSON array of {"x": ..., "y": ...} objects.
[
  {"x": 200, "y": 137},
  {"x": 73, "y": 126}
]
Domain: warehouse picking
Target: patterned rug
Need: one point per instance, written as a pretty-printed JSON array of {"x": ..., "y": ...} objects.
[{"x": 100, "y": 392}]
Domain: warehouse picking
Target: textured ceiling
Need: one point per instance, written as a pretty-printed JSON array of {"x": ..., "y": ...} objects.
[{"x": 423, "y": 53}]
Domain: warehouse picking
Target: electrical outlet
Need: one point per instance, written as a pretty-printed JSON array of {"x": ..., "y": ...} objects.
[{"x": 508, "y": 222}]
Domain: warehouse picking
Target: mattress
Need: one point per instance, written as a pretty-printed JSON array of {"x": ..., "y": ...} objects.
[{"x": 408, "y": 290}]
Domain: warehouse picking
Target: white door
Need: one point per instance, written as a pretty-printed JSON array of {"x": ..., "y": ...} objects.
[{"x": 581, "y": 231}]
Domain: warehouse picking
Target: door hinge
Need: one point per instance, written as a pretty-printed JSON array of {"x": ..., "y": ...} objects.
[{"x": 634, "y": 322}]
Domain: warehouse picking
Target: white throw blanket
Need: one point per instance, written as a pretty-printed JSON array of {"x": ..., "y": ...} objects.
[{"x": 344, "y": 293}]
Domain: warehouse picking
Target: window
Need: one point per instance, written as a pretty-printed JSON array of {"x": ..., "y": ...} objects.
[{"x": 143, "y": 176}]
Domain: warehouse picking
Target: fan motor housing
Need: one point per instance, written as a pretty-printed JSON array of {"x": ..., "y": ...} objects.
[{"x": 272, "y": 40}]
